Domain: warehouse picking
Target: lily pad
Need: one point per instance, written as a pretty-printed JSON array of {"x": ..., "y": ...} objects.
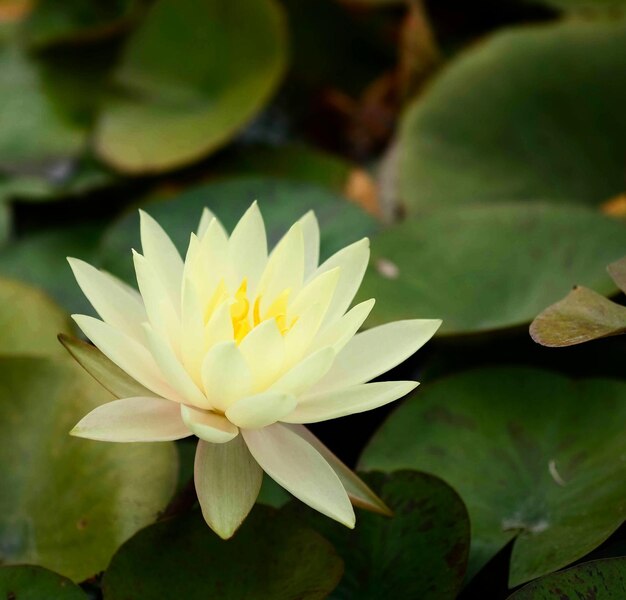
[
  {"x": 29, "y": 321},
  {"x": 27, "y": 582},
  {"x": 583, "y": 315},
  {"x": 598, "y": 579},
  {"x": 282, "y": 202},
  {"x": 536, "y": 457},
  {"x": 270, "y": 557},
  {"x": 68, "y": 503},
  {"x": 489, "y": 267},
  {"x": 419, "y": 552},
  {"x": 589, "y": 7},
  {"x": 531, "y": 114},
  {"x": 40, "y": 259},
  {"x": 168, "y": 110}
]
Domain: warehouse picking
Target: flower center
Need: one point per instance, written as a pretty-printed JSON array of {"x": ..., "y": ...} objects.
[{"x": 246, "y": 315}]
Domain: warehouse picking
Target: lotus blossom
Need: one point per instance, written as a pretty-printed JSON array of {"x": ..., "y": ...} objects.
[{"x": 242, "y": 348}]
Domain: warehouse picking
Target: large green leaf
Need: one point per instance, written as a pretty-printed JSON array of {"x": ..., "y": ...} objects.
[
  {"x": 595, "y": 580},
  {"x": 489, "y": 267},
  {"x": 534, "y": 113},
  {"x": 535, "y": 456},
  {"x": 26, "y": 582},
  {"x": 588, "y": 7},
  {"x": 29, "y": 321},
  {"x": 68, "y": 503},
  {"x": 193, "y": 75},
  {"x": 41, "y": 259},
  {"x": 270, "y": 557},
  {"x": 282, "y": 203},
  {"x": 419, "y": 552}
]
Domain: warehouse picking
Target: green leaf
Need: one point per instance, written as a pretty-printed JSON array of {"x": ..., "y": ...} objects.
[
  {"x": 583, "y": 315},
  {"x": 536, "y": 457},
  {"x": 192, "y": 76},
  {"x": 270, "y": 557},
  {"x": 29, "y": 321},
  {"x": 282, "y": 203},
  {"x": 598, "y": 579},
  {"x": 35, "y": 131},
  {"x": 588, "y": 7},
  {"x": 103, "y": 370},
  {"x": 489, "y": 267},
  {"x": 74, "y": 21},
  {"x": 40, "y": 259},
  {"x": 420, "y": 552},
  {"x": 533, "y": 113},
  {"x": 68, "y": 503},
  {"x": 26, "y": 582}
]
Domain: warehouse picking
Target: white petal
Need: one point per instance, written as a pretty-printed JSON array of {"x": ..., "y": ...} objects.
[
  {"x": 299, "y": 338},
  {"x": 161, "y": 253},
  {"x": 311, "y": 234},
  {"x": 162, "y": 314},
  {"x": 352, "y": 261},
  {"x": 208, "y": 426},
  {"x": 227, "y": 481},
  {"x": 264, "y": 351},
  {"x": 338, "y": 333},
  {"x": 112, "y": 301},
  {"x": 173, "y": 370},
  {"x": 319, "y": 290},
  {"x": 295, "y": 465},
  {"x": 306, "y": 373},
  {"x": 360, "y": 494},
  {"x": 220, "y": 327},
  {"x": 285, "y": 268},
  {"x": 347, "y": 401},
  {"x": 211, "y": 264},
  {"x": 225, "y": 375},
  {"x": 192, "y": 332},
  {"x": 261, "y": 409},
  {"x": 205, "y": 220},
  {"x": 375, "y": 351},
  {"x": 247, "y": 247},
  {"x": 133, "y": 420},
  {"x": 128, "y": 354}
]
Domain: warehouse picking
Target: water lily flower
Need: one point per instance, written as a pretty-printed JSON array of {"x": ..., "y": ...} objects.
[{"x": 242, "y": 348}]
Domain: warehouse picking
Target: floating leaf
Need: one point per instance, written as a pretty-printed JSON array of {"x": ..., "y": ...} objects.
[
  {"x": 26, "y": 582},
  {"x": 583, "y": 315},
  {"x": 617, "y": 271},
  {"x": 489, "y": 267},
  {"x": 598, "y": 579},
  {"x": 282, "y": 202},
  {"x": 68, "y": 503},
  {"x": 420, "y": 551},
  {"x": 29, "y": 321},
  {"x": 533, "y": 113},
  {"x": 192, "y": 76},
  {"x": 40, "y": 259},
  {"x": 536, "y": 457},
  {"x": 270, "y": 557},
  {"x": 588, "y": 7}
]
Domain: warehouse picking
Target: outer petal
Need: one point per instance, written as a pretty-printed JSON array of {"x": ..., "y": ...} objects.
[
  {"x": 375, "y": 351},
  {"x": 112, "y": 301},
  {"x": 352, "y": 261},
  {"x": 173, "y": 370},
  {"x": 294, "y": 464},
  {"x": 225, "y": 375},
  {"x": 208, "y": 426},
  {"x": 133, "y": 420},
  {"x": 220, "y": 327},
  {"x": 264, "y": 351},
  {"x": 247, "y": 247},
  {"x": 192, "y": 331},
  {"x": 347, "y": 401},
  {"x": 205, "y": 220},
  {"x": 161, "y": 253},
  {"x": 340, "y": 332},
  {"x": 128, "y": 354},
  {"x": 311, "y": 234},
  {"x": 261, "y": 410},
  {"x": 359, "y": 493},
  {"x": 306, "y": 373},
  {"x": 227, "y": 481}
]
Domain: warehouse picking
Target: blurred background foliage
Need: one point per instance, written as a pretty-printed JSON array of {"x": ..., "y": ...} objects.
[{"x": 482, "y": 148}]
